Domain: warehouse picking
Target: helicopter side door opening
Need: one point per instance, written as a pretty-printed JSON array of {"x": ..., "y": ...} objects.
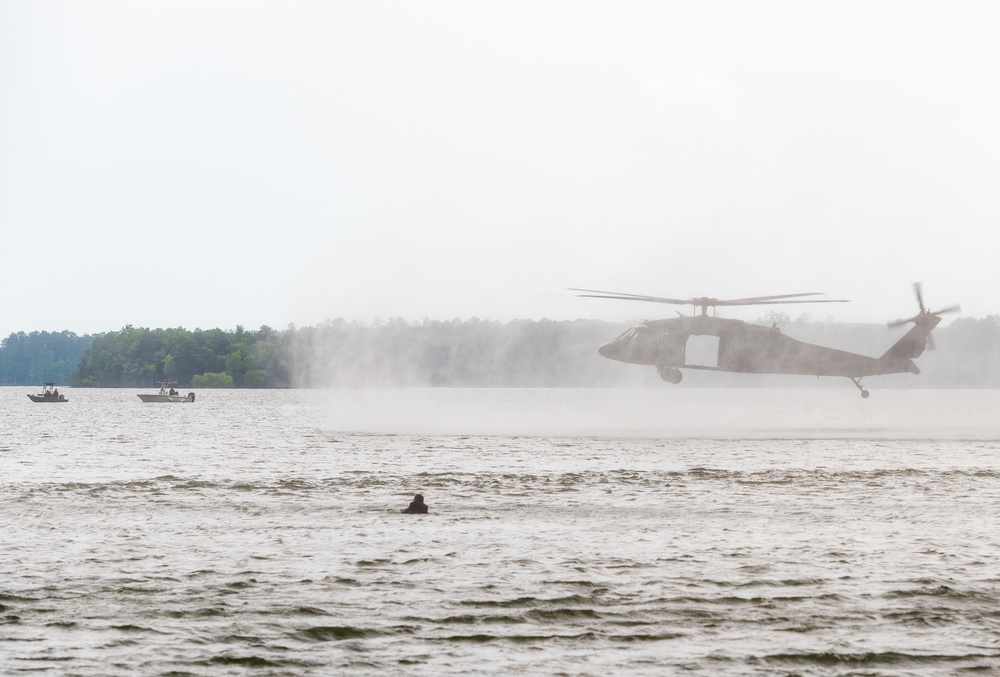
[{"x": 702, "y": 351}]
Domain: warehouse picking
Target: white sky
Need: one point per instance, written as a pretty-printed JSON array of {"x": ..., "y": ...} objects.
[{"x": 208, "y": 164}]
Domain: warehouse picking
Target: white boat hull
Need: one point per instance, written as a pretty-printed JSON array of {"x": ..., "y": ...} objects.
[{"x": 165, "y": 398}]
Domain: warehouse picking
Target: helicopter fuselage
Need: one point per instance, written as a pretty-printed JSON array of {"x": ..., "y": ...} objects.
[
  {"x": 733, "y": 345},
  {"x": 736, "y": 346}
]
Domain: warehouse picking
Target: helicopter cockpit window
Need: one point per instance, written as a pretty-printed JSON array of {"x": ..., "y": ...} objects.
[{"x": 629, "y": 334}]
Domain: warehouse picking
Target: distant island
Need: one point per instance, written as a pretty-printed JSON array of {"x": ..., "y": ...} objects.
[{"x": 456, "y": 353}]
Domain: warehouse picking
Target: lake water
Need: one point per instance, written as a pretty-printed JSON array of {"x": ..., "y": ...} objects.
[{"x": 572, "y": 532}]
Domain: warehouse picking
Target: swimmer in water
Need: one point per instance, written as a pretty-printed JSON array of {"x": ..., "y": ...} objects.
[{"x": 417, "y": 506}]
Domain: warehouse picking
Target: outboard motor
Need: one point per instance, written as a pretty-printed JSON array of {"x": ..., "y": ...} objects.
[{"x": 191, "y": 395}]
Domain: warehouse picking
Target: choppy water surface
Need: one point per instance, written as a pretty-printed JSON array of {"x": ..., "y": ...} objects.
[{"x": 571, "y": 532}]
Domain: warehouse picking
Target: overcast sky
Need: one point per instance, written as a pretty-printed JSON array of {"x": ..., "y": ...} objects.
[{"x": 209, "y": 164}]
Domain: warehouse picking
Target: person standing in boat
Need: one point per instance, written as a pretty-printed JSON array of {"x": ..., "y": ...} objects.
[{"x": 417, "y": 506}]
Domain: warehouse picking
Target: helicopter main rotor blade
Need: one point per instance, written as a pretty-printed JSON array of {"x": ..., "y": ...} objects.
[
  {"x": 770, "y": 303},
  {"x": 767, "y": 299},
  {"x": 621, "y": 296},
  {"x": 706, "y": 301}
]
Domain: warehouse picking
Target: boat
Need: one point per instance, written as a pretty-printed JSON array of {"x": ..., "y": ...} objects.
[
  {"x": 49, "y": 394},
  {"x": 167, "y": 394}
]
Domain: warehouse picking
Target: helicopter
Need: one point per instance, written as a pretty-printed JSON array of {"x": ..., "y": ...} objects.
[{"x": 736, "y": 346}]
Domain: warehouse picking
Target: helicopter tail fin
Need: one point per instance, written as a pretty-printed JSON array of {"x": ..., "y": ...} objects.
[{"x": 912, "y": 344}]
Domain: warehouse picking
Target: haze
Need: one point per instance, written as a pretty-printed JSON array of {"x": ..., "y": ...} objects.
[
  {"x": 666, "y": 413},
  {"x": 209, "y": 164}
]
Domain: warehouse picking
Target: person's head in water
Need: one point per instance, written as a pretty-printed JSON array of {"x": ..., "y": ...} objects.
[{"x": 417, "y": 505}]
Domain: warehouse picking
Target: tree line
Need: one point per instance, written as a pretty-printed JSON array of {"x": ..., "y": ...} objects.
[
  {"x": 31, "y": 359},
  {"x": 456, "y": 353},
  {"x": 140, "y": 357}
]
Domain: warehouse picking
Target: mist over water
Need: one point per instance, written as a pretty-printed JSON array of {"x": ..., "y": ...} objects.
[
  {"x": 571, "y": 532},
  {"x": 667, "y": 412}
]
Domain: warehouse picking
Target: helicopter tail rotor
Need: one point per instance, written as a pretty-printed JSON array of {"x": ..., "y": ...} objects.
[
  {"x": 912, "y": 344},
  {"x": 924, "y": 312}
]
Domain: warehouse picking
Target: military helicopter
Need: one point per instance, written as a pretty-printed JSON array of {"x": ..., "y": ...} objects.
[{"x": 736, "y": 346}]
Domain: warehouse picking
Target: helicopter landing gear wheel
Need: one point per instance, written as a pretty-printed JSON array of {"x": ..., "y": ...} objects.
[
  {"x": 857, "y": 382},
  {"x": 670, "y": 374}
]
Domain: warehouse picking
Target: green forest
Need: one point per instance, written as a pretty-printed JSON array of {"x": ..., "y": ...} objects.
[
  {"x": 30, "y": 359},
  {"x": 135, "y": 357},
  {"x": 457, "y": 353}
]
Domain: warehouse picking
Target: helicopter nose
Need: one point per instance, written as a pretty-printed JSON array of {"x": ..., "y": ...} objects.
[{"x": 607, "y": 350}]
